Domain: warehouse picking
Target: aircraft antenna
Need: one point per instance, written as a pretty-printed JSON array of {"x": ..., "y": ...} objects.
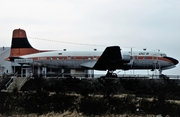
[
  {"x": 66, "y": 42},
  {"x": 75, "y": 43}
]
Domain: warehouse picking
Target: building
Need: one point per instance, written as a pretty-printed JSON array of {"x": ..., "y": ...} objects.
[
  {"x": 5, "y": 66},
  {"x": 28, "y": 68}
]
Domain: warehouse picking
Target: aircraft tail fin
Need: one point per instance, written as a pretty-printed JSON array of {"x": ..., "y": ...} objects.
[{"x": 20, "y": 44}]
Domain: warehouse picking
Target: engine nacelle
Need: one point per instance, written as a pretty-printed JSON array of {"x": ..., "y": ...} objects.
[{"x": 126, "y": 58}]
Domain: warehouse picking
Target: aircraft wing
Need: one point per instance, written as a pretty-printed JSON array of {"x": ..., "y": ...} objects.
[
  {"x": 107, "y": 61},
  {"x": 109, "y": 58}
]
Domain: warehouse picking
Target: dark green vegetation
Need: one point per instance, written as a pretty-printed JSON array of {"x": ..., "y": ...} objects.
[{"x": 94, "y": 97}]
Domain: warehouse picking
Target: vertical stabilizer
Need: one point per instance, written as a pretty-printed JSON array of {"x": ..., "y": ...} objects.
[
  {"x": 19, "y": 39},
  {"x": 20, "y": 44}
]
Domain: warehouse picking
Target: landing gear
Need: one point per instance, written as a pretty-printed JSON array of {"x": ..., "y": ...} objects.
[
  {"x": 160, "y": 72},
  {"x": 162, "y": 76},
  {"x": 111, "y": 74},
  {"x": 157, "y": 67},
  {"x": 156, "y": 73}
]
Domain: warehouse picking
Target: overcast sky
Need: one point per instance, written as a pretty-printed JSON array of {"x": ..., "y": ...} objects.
[{"x": 151, "y": 24}]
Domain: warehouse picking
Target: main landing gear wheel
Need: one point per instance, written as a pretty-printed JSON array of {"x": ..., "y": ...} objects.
[{"x": 110, "y": 74}]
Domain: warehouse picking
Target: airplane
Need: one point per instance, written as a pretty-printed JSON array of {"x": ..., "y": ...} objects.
[{"x": 111, "y": 59}]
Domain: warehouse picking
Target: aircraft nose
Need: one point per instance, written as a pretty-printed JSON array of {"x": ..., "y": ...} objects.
[{"x": 175, "y": 61}]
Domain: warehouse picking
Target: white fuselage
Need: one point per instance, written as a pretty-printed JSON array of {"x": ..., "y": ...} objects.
[{"x": 76, "y": 59}]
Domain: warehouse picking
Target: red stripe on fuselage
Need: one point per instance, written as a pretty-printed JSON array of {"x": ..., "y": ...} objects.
[{"x": 97, "y": 57}]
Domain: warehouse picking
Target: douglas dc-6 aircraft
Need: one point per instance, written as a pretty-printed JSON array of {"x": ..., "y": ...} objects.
[{"x": 110, "y": 59}]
